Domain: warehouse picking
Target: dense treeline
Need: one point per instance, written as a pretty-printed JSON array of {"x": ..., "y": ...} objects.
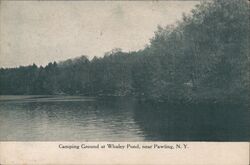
[{"x": 205, "y": 56}]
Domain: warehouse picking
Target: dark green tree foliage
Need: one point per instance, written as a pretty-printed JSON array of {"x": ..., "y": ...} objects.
[{"x": 205, "y": 56}]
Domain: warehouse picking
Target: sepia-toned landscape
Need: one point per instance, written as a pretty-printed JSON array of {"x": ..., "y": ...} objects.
[{"x": 190, "y": 82}]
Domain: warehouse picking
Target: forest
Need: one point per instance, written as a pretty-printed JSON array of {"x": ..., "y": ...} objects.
[{"x": 204, "y": 57}]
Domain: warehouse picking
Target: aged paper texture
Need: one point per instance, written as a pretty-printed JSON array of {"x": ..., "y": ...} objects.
[{"x": 124, "y": 82}]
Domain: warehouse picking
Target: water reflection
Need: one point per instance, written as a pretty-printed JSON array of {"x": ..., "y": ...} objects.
[
  {"x": 117, "y": 119},
  {"x": 104, "y": 120},
  {"x": 168, "y": 122}
]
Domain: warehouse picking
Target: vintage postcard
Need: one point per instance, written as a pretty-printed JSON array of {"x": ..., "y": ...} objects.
[{"x": 125, "y": 82}]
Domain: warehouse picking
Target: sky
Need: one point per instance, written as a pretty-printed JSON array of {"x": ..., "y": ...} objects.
[{"x": 45, "y": 31}]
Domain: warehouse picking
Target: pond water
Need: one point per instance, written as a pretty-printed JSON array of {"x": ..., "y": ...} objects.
[{"x": 76, "y": 118}]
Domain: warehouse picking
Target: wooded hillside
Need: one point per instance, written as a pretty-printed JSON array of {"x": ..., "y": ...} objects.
[{"x": 205, "y": 56}]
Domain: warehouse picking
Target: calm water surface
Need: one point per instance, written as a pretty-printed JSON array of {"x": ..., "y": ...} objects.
[{"x": 42, "y": 118}]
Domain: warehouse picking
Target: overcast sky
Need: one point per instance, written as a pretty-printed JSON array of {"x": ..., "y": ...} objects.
[{"x": 41, "y": 32}]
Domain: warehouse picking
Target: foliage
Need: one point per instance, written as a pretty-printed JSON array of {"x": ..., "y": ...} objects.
[{"x": 203, "y": 57}]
